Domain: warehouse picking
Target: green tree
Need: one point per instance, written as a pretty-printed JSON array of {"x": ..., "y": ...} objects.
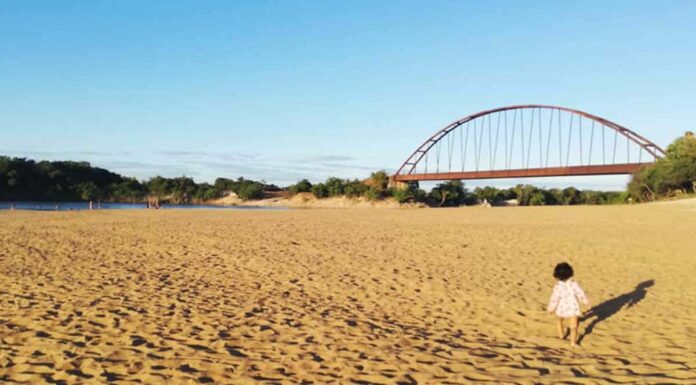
[
  {"x": 89, "y": 191},
  {"x": 451, "y": 193},
  {"x": 537, "y": 198},
  {"x": 334, "y": 186},
  {"x": 130, "y": 189},
  {"x": 490, "y": 194},
  {"x": 570, "y": 196},
  {"x": 355, "y": 188},
  {"x": 302, "y": 186},
  {"x": 379, "y": 180},
  {"x": 250, "y": 191},
  {"x": 320, "y": 190},
  {"x": 674, "y": 173}
]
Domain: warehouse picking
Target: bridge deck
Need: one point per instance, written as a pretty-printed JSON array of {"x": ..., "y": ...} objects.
[{"x": 611, "y": 169}]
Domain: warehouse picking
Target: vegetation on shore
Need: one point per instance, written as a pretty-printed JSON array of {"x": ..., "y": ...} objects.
[
  {"x": 25, "y": 179},
  {"x": 672, "y": 175},
  {"x": 454, "y": 193}
]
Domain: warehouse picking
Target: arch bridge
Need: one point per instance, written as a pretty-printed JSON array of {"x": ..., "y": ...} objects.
[{"x": 528, "y": 141}]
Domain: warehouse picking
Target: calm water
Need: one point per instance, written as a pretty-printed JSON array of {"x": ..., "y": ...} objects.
[{"x": 66, "y": 206}]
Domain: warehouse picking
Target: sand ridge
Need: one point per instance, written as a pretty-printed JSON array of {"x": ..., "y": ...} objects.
[{"x": 446, "y": 296}]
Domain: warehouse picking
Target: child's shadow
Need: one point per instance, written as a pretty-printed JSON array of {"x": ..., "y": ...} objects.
[{"x": 612, "y": 306}]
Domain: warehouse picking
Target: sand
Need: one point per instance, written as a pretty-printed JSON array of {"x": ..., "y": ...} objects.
[
  {"x": 308, "y": 200},
  {"x": 392, "y": 296}
]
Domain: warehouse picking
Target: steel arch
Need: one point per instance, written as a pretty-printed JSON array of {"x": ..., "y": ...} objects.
[{"x": 406, "y": 171}]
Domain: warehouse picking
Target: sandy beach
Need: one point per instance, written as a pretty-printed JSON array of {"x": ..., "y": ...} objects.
[{"x": 354, "y": 296}]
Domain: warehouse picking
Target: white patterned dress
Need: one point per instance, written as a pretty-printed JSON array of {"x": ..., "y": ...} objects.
[{"x": 566, "y": 298}]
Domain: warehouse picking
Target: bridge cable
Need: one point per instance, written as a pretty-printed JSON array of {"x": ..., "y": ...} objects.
[
  {"x": 560, "y": 135},
  {"x": 628, "y": 150},
  {"x": 461, "y": 144},
  {"x": 451, "y": 146},
  {"x": 495, "y": 148},
  {"x": 480, "y": 142},
  {"x": 480, "y": 150},
  {"x": 506, "y": 136},
  {"x": 466, "y": 143},
  {"x": 541, "y": 146},
  {"x": 427, "y": 155},
  {"x": 580, "y": 128},
  {"x": 570, "y": 135},
  {"x": 490, "y": 144},
  {"x": 531, "y": 134},
  {"x": 512, "y": 138},
  {"x": 604, "y": 156},
  {"x": 616, "y": 136},
  {"x": 449, "y": 153},
  {"x": 589, "y": 158},
  {"x": 482, "y": 139},
  {"x": 548, "y": 141},
  {"x": 476, "y": 144},
  {"x": 438, "y": 147},
  {"x": 522, "y": 136}
]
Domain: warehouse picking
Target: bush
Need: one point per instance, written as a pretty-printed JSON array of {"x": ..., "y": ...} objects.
[
  {"x": 537, "y": 198},
  {"x": 372, "y": 194},
  {"x": 251, "y": 191},
  {"x": 300, "y": 187},
  {"x": 355, "y": 188},
  {"x": 88, "y": 191},
  {"x": 673, "y": 174},
  {"x": 379, "y": 180},
  {"x": 451, "y": 193},
  {"x": 401, "y": 195},
  {"x": 334, "y": 186},
  {"x": 320, "y": 190},
  {"x": 490, "y": 194}
]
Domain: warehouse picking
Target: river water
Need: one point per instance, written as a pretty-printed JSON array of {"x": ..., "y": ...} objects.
[{"x": 68, "y": 206}]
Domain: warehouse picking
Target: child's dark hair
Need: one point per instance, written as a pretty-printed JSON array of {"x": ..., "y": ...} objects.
[{"x": 563, "y": 271}]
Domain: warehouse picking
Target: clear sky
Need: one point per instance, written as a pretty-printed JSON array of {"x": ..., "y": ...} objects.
[{"x": 291, "y": 89}]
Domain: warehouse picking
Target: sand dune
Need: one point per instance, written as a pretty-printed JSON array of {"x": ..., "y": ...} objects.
[{"x": 447, "y": 296}]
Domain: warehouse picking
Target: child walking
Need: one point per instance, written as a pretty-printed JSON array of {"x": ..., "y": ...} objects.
[{"x": 565, "y": 301}]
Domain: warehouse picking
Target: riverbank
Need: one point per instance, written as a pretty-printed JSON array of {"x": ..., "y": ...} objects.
[{"x": 307, "y": 200}]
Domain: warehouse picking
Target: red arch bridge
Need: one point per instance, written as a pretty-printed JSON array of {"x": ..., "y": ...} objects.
[{"x": 528, "y": 141}]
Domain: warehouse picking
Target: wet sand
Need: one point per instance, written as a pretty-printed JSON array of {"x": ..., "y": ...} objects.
[{"x": 393, "y": 296}]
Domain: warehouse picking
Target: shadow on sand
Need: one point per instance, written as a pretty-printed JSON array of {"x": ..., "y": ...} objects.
[{"x": 612, "y": 306}]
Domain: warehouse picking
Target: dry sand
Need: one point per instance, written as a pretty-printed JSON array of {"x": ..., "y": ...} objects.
[
  {"x": 433, "y": 296},
  {"x": 307, "y": 200}
]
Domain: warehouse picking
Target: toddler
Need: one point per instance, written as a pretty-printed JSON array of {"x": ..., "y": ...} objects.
[{"x": 565, "y": 301}]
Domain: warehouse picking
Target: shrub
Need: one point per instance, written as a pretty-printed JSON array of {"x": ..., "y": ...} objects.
[
  {"x": 401, "y": 195},
  {"x": 675, "y": 173},
  {"x": 355, "y": 188},
  {"x": 451, "y": 193},
  {"x": 379, "y": 180},
  {"x": 251, "y": 191},
  {"x": 300, "y": 187},
  {"x": 334, "y": 186},
  {"x": 320, "y": 190}
]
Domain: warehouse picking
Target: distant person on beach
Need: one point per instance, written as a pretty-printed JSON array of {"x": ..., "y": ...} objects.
[{"x": 565, "y": 301}]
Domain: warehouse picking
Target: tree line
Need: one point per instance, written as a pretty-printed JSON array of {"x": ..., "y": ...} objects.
[
  {"x": 674, "y": 174},
  {"x": 454, "y": 193},
  {"x": 25, "y": 179}
]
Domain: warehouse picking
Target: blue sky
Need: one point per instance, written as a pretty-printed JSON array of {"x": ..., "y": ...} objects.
[{"x": 286, "y": 90}]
